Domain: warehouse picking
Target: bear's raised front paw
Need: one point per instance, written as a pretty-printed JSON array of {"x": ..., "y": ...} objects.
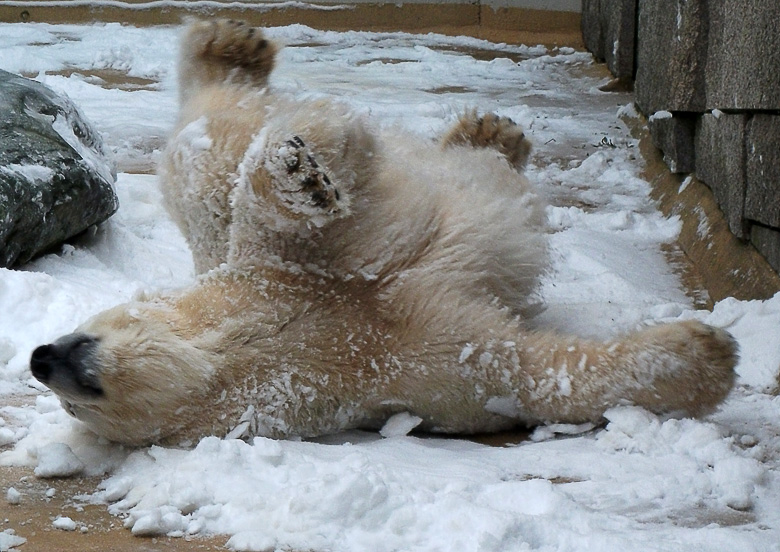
[
  {"x": 303, "y": 184},
  {"x": 491, "y": 131}
]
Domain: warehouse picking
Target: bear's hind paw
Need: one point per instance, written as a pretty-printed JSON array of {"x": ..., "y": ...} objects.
[
  {"x": 491, "y": 131},
  {"x": 233, "y": 44},
  {"x": 303, "y": 185}
]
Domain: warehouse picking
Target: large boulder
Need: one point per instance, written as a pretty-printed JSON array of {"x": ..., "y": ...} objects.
[{"x": 56, "y": 177}]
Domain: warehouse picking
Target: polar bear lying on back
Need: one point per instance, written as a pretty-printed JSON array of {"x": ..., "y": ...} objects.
[{"x": 348, "y": 276}]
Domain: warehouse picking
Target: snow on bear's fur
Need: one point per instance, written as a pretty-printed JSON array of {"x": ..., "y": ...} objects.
[{"x": 349, "y": 275}]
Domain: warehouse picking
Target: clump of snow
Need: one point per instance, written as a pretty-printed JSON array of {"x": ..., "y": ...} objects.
[
  {"x": 9, "y": 540},
  {"x": 12, "y": 496},
  {"x": 628, "y": 111},
  {"x": 57, "y": 460},
  {"x": 550, "y": 431},
  {"x": 7, "y": 436},
  {"x": 64, "y": 523},
  {"x": 685, "y": 183},
  {"x": 715, "y": 462},
  {"x": 399, "y": 425},
  {"x": 659, "y": 115}
]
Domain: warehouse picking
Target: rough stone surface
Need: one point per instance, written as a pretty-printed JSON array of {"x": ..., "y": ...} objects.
[
  {"x": 56, "y": 179},
  {"x": 743, "y": 65},
  {"x": 767, "y": 242},
  {"x": 720, "y": 163},
  {"x": 592, "y": 28},
  {"x": 762, "y": 196},
  {"x": 608, "y": 30},
  {"x": 674, "y": 135},
  {"x": 672, "y": 40},
  {"x": 619, "y": 18}
]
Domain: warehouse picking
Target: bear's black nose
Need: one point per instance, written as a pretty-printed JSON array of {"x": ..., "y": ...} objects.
[
  {"x": 41, "y": 362},
  {"x": 66, "y": 364}
]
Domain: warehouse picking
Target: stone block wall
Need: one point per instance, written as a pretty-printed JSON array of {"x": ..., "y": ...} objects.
[{"x": 707, "y": 75}]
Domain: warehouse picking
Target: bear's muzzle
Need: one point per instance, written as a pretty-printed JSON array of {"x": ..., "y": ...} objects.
[{"x": 67, "y": 367}]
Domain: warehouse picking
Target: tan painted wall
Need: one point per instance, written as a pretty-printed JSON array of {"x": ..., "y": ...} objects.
[{"x": 548, "y": 22}]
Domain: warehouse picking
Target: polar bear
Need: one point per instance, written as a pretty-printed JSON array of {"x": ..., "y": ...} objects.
[{"x": 347, "y": 275}]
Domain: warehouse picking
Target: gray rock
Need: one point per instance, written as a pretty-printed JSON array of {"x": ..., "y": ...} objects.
[
  {"x": 592, "y": 28},
  {"x": 762, "y": 145},
  {"x": 56, "y": 179},
  {"x": 674, "y": 135},
  {"x": 767, "y": 242},
  {"x": 720, "y": 163},
  {"x": 619, "y": 19},
  {"x": 743, "y": 65},
  {"x": 608, "y": 29},
  {"x": 671, "y": 56}
]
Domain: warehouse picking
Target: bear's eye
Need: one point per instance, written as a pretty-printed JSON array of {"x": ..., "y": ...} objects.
[{"x": 84, "y": 341}]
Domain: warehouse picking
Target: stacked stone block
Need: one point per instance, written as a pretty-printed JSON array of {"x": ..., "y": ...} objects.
[
  {"x": 608, "y": 30},
  {"x": 707, "y": 75}
]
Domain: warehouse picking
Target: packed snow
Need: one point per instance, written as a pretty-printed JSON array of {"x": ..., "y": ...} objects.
[{"x": 641, "y": 482}]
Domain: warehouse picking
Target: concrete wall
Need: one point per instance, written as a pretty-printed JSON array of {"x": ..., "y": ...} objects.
[{"x": 707, "y": 75}]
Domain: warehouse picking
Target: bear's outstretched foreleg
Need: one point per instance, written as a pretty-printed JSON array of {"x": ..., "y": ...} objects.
[
  {"x": 491, "y": 131},
  {"x": 221, "y": 51},
  {"x": 683, "y": 368}
]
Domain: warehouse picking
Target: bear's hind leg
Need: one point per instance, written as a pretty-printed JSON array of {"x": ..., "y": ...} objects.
[
  {"x": 221, "y": 51},
  {"x": 491, "y": 131}
]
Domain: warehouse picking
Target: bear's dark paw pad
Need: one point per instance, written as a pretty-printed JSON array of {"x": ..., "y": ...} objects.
[{"x": 304, "y": 185}]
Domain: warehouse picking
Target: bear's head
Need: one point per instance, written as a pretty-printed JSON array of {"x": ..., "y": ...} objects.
[{"x": 129, "y": 375}]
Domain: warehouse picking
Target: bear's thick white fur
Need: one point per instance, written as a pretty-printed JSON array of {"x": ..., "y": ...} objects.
[{"x": 348, "y": 275}]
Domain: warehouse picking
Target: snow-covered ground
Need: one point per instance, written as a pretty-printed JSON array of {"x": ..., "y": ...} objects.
[{"x": 639, "y": 483}]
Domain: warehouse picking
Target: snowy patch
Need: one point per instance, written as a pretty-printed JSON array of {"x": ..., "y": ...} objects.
[
  {"x": 660, "y": 115},
  {"x": 33, "y": 173}
]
